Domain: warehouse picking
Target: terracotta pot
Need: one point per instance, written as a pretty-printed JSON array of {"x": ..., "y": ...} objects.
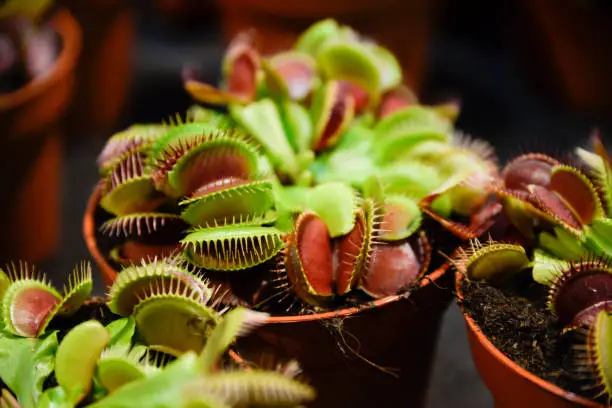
[
  {"x": 402, "y": 26},
  {"x": 395, "y": 332},
  {"x": 511, "y": 385},
  {"x": 105, "y": 67},
  {"x": 32, "y": 144},
  {"x": 571, "y": 44}
]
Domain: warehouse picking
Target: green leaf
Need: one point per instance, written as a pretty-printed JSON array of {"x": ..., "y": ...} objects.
[
  {"x": 162, "y": 389},
  {"x": 77, "y": 356},
  {"x": 121, "y": 332},
  {"x": 358, "y": 137},
  {"x": 546, "y": 268},
  {"x": 115, "y": 372},
  {"x": 347, "y": 166},
  {"x": 414, "y": 180},
  {"x": 389, "y": 67},
  {"x": 25, "y": 363},
  {"x": 55, "y": 397},
  {"x": 210, "y": 117},
  {"x": 598, "y": 236},
  {"x": 292, "y": 198},
  {"x": 262, "y": 120},
  {"x": 335, "y": 203},
  {"x": 562, "y": 244},
  {"x": 298, "y": 125},
  {"x": 311, "y": 40},
  {"x": 237, "y": 322},
  {"x": 350, "y": 61},
  {"x": 416, "y": 123}
]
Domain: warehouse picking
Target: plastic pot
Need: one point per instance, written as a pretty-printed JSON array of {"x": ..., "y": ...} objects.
[
  {"x": 32, "y": 142},
  {"x": 402, "y": 26},
  {"x": 510, "y": 384},
  {"x": 105, "y": 68},
  {"x": 394, "y": 332}
]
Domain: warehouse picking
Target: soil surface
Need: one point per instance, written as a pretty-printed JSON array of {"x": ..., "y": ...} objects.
[{"x": 518, "y": 322}]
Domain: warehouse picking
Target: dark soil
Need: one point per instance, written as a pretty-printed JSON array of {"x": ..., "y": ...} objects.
[{"x": 517, "y": 321}]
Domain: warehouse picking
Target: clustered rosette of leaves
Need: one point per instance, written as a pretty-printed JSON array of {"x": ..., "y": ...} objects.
[
  {"x": 318, "y": 164},
  {"x": 159, "y": 340},
  {"x": 561, "y": 214}
]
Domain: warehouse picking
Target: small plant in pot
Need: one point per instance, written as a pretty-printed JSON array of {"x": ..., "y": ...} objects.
[
  {"x": 159, "y": 340},
  {"x": 38, "y": 52},
  {"x": 317, "y": 194},
  {"x": 537, "y": 301}
]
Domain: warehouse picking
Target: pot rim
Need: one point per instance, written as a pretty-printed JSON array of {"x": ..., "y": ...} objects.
[
  {"x": 506, "y": 361},
  {"x": 69, "y": 31},
  {"x": 89, "y": 234}
]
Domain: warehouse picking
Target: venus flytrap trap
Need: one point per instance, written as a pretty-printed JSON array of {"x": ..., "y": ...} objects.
[{"x": 164, "y": 344}]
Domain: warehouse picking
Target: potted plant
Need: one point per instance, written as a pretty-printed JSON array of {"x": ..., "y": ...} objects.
[
  {"x": 158, "y": 341},
  {"x": 317, "y": 197},
  {"x": 536, "y": 301},
  {"x": 39, "y": 54}
]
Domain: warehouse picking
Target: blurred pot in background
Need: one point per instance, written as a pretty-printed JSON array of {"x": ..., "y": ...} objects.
[
  {"x": 186, "y": 11},
  {"x": 568, "y": 51},
  {"x": 36, "y": 79},
  {"x": 105, "y": 67},
  {"x": 403, "y": 26}
]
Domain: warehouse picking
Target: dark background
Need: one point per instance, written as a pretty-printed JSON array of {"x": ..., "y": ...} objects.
[{"x": 478, "y": 52}]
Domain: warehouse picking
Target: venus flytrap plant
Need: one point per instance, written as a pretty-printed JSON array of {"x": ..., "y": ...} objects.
[
  {"x": 320, "y": 173},
  {"x": 164, "y": 346},
  {"x": 562, "y": 212}
]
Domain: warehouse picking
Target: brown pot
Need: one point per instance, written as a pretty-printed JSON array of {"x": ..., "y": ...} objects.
[
  {"x": 401, "y": 25},
  {"x": 395, "y": 332},
  {"x": 105, "y": 67},
  {"x": 511, "y": 385},
  {"x": 571, "y": 44},
  {"x": 32, "y": 145}
]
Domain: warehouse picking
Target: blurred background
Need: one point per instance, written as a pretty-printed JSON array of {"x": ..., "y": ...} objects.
[{"x": 530, "y": 75}]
